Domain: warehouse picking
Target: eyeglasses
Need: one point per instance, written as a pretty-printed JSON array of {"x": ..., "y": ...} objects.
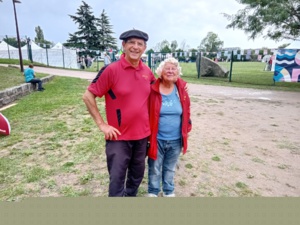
[
  {"x": 138, "y": 43},
  {"x": 170, "y": 69}
]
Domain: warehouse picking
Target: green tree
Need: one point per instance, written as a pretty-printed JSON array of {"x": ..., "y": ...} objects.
[
  {"x": 180, "y": 55},
  {"x": 174, "y": 45},
  {"x": 183, "y": 45},
  {"x": 87, "y": 35},
  {"x": 106, "y": 40},
  {"x": 284, "y": 45},
  {"x": 194, "y": 54},
  {"x": 149, "y": 51},
  {"x": 14, "y": 42},
  {"x": 165, "y": 47},
  {"x": 281, "y": 19},
  {"x": 211, "y": 43},
  {"x": 40, "y": 37},
  {"x": 157, "y": 47}
]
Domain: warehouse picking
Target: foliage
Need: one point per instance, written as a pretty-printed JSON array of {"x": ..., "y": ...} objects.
[
  {"x": 174, "y": 46},
  {"x": 12, "y": 77},
  {"x": 157, "y": 47},
  {"x": 194, "y": 55},
  {"x": 93, "y": 33},
  {"x": 281, "y": 19},
  {"x": 211, "y": 43},
  {"x": 106, "y": 40},
  {"x": 284, "y": 45},
  {"x": 87, "y": 34},
  {"x": 165, "y": 47},
  {"x": 184, "y": 46},
  {"x": 244, "y": 74},
  {"x": 39, "y": 34},
  {"x": 150, "y": 51},
  {"x": 50, "y": 129},
  {"x": 182, "y": 57},
  {"x": 14, "y": 42},
  {"x": 54, "y": 142},
  {"x": 39, "y": 39}
]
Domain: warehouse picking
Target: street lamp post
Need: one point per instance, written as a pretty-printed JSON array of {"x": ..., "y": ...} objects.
[{"x": 18, "y": 36}]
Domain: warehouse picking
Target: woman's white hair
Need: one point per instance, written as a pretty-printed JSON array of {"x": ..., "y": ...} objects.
[{"x": 171, "y": 60}]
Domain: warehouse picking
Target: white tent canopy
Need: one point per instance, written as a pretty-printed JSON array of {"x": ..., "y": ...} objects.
[
  {"x": 58, "y": 46},
  {"x": 57, "y": 56},
  {"x": 7, "y": 51},
  {"x": 34, "y": 46},
  {"x": 294, "y": 45},
  {"x": 5, "y": 46}
]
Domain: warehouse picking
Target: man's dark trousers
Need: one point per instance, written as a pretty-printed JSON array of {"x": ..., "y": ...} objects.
[{"x": 125, "y": 163}]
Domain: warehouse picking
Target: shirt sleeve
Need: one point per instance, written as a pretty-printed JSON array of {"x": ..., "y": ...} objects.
[{"x": 102, "y": 83}]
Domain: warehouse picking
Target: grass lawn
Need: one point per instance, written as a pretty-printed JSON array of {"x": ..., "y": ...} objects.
[
  {"x": 244, "y": 74},
  {"x": 55, "y": 149},
  {"x": 52, "y": 137},
  {"x": 13, "y": 77}
]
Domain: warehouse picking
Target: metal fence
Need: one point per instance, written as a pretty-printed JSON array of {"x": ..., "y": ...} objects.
[
  {"x": 188, "y": 57},
  {"x": 57, "y": 56}
]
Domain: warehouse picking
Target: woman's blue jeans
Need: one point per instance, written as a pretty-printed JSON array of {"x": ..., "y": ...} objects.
[{"x": 163, "y": 168}]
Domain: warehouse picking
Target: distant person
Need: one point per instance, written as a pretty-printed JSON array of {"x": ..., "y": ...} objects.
[
  {"x": 82, "y": 66},
  {"x": 107, "y": 59},
  {"x": 79, "y": 62},
  {"x": 86, "y": 61},
  {"x": 30, "y": 77},
  {"x": 89, "y": 61},
  {"x": 270, "y": 63},
  {"x": 169, "y": 123}
]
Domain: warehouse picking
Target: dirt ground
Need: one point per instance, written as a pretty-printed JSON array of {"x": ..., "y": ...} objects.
[{"x": 244, "y": 142}]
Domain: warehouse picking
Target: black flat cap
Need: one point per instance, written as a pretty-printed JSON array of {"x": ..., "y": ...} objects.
[{"x": 134, "y": 33}]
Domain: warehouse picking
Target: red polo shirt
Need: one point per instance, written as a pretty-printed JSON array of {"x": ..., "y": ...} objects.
[{"x": 126, "y": 90}]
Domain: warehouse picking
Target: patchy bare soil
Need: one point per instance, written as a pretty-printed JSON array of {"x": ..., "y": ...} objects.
[{"x": 244, "y": 142}]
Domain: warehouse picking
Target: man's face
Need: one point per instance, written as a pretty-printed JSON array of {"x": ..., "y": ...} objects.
[{"x": 134, "y": 48}]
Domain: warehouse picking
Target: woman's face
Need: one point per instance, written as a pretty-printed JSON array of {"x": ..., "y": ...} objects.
[{"x": 169, "y": 72}]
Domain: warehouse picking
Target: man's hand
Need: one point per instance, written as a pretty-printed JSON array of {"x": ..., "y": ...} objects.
[
  {"x": 110, "y": 132},
  {"x": 186, "y": 88}
]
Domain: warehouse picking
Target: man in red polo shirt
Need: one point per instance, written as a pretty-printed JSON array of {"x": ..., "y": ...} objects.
[{"x": 126, "y": 87}]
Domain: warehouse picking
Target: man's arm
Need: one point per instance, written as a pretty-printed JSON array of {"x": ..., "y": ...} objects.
[{"x": 90, "y": 101}]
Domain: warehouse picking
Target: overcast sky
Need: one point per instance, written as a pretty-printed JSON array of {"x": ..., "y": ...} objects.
[{"x": 186, "y": 21}]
